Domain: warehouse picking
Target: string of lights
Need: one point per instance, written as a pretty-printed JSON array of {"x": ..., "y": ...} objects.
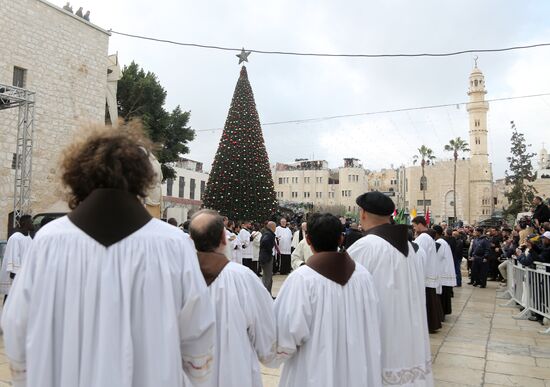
[
  {"x": 408, "y": 109},
  {"x": 319, "y": 54}
]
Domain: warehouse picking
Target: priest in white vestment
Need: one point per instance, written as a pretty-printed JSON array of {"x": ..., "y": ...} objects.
[
  {"x": 446, "y": 265},
  {"x": 431, "y": 273},
  {"x": 246, "y": 244},
  {"x": 246, "y": 330},
  {"x": 398, "y": 275},
  {"x": 284, "y": 237},
  {"x": 301, "y": 254},
  {"x": 109, "y": 296},
  {"x": 327, "y": 312},
  {"x": 16, "y": 248}
]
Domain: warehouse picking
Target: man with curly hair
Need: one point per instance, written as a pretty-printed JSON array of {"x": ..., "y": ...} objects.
[{"x": 109, "y": 296}]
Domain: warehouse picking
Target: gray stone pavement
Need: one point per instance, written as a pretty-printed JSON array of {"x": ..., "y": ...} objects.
[{"x": 480, "y": 344}]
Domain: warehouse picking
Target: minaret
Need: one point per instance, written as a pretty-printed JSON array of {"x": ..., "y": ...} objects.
[
  {"x": 481, "y": 174},
  {"x": 477, "y": 109}
]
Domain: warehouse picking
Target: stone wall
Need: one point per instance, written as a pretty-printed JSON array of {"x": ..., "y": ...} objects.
[{"x": 66, "y": 62}]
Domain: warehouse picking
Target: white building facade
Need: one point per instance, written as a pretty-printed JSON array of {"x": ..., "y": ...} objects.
[
  {"x": 312, "y": 183},
  {"x": 182, "y": 196}
]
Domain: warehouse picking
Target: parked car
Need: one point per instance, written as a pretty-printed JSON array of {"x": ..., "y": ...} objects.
[
  {"x": 491, "y": 222},
  {"x": 39, "y": 219}
]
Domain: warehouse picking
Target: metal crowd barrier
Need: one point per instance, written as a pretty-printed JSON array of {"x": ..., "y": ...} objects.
[{"x": 528, "y": 289}]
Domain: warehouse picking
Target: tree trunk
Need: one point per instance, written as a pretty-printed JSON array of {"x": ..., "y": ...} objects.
[
  {"x": 423, "y": 189},
  {"x": 454, "y": 192}
]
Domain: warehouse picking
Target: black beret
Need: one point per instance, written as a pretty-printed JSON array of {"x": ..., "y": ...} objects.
[{"x": 376, "y": 203}]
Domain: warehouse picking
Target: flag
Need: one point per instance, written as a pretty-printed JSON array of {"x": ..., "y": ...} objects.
[
  {"x": 400, "y": 218},
  {"x": 428, "y": 216},
  {"x": 394, "y": 213},
  {"x": 413, "y": 213}
]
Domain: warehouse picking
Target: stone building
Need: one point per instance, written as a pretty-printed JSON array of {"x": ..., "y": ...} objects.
[
  {"x": 474, "y": 181},
  {"x": 182, "y": 196},
  {"x": 64, "y": 60},
  {"x": 313, "y": 183},
  {"x": 542, "y": 183},
  {"x": 387, "y": 181}
]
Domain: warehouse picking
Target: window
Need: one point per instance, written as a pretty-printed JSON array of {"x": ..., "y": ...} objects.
[
  {"x": 169, "y": 185},
  {"x": 203, "y": 188},
  {"x": 181, "y": 186},
  {"x": 421, "y": 202},
  {"x": 286, "y": 180},
  {"x": 346, "y": 193},
  {"x": 475, "y": 82},
  {"x": 306, "y": 180},
  {"x": 331, "y": 195},
  {"x": 318, "y": 195},
  {"x": 423, "y": 183},
  {"x": 192, "y": 189},
  {"x": 280, "y": 180},
  {"x": 477, "y": 123},
  {"x": 19, "y": 77},
  {"x": 319, "y": 180},
  {"x": 14, "y": 163},
  {"x": 306, "y": 194},
  {"x": 294, "y": 194}
]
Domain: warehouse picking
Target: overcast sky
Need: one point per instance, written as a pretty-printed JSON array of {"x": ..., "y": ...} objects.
[{"x": 288, "y": 88}]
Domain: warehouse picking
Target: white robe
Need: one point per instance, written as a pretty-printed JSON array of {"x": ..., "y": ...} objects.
[
  {"x": 285, "y": 239},
  {"x": 431, "y": 262},
  {"x": 328, "y": 335},
  {"x": 245, "y": 324},
  {"x": 256, "y": 245},
  {"x": 229, "y": 245},
  {"x": 246, "y": 245},
  {"x": 17, "y": 246},
  {"x": 135, "y": 314},
  {"x": 236, "y": 250},
  {"x": 446, "y": 264},
  {"x": 295, "y": 239},
  {"x": 399, "y": 282},
  {"x": 300, "y": 255}
]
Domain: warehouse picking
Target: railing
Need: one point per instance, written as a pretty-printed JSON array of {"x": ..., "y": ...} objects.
[{"x": 529, "y": 289}]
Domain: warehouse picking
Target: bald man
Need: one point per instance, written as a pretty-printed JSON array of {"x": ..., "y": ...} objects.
[
  {"x": 245, "y": 319},
  {"x": 267, "y": 244}
]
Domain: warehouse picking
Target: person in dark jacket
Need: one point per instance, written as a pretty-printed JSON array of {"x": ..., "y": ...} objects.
[
  {"x": 352, "y": 236},
  {"x": 541, "y": 213},
  {"x": 457, "y": 256},
  {"x": 267, "y": 244},
  {"x": 481, "y": 250}
]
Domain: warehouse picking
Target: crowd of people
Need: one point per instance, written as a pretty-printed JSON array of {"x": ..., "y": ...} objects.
[{"x": 110, "y": 296}]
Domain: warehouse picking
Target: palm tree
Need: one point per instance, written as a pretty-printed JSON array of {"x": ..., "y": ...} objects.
[
  {"x": 455, "y": 146},
  {"x": 426, "y": 156}
]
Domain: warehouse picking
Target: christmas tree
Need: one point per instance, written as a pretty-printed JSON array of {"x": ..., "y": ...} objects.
[{"x": 240, "y": 184}]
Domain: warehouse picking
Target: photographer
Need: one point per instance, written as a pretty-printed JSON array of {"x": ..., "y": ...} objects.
[{"x": 536, "y": 248}]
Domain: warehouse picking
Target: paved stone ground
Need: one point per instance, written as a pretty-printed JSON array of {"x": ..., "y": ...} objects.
[{"x": 479, "y": 345}]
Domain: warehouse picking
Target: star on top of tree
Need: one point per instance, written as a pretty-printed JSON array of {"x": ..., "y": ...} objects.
[{"x": 243, "y": 56}]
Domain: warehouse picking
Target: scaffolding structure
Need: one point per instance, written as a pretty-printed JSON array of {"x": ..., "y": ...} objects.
[{"x": 24, "y": 100}]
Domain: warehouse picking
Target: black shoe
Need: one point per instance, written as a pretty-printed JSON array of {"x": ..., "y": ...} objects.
[
  {"x": 482, "y": 286},
  {"x": 471, "y": 283}
]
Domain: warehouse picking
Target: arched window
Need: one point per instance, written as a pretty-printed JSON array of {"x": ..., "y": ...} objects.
[
  {"x": 423, "y": 183},
  {"x": 475, "y": 82}
]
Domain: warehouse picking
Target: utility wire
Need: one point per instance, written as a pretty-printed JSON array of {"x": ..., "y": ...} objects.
[
  {"x": 397, "y": 55},
  {"x": 318, "y": 119}
]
